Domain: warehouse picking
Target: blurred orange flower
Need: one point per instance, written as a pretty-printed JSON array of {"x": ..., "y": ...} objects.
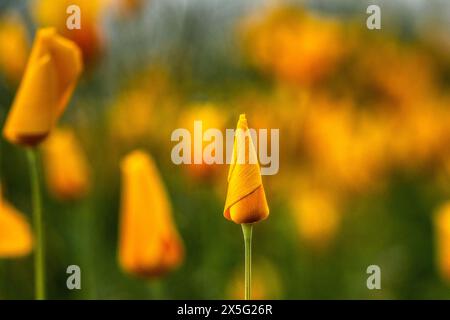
[
  {"x": 246, "y": 200},
  {"x": 442, "y": 235},
  {"x": 132, "y": 116},
  {"x": 149, "y": 244},
  {"x": 317, "y": 216},
  {"x": 390, "y": 77},
  {"x": 14, "y": 47},
  {"x": 293, "y": 45},
  {"x": 211, "y": 117},
  {"x": 50, "y": 13},
  {"x": 65, "y": 164},
  {"x": 16, "y": 238},
  {"x": 144, "y": 109},
  {"x": 47, "y": 85},
  {"x": 421, "y": 135},
  {"x": 347, "y": 147}
]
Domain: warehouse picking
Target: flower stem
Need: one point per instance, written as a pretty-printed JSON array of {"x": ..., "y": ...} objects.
[
  {"x": 84, "y": 220},
  {"x": 156, "y": 290},
  {"x": 39, "y": 257},
  {"x": 247, "y": 231}
]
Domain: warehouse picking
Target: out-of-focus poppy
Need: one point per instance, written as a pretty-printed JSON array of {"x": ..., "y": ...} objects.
[{"x": 149, "y": 243}]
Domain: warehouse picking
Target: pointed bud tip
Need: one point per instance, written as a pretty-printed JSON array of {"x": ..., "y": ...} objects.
[{"x": 242, "y": 122}]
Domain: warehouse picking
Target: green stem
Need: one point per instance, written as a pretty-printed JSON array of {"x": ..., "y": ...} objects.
[
  {"x": 156, "y": 290},
  {"x": 88, "y": 255},
  {"x": 39, "y": 256},
  {"x": 247, "y": 231}
]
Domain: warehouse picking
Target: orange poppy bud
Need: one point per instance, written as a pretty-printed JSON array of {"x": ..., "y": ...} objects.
[
  {"x": 246, "y": 200},
  {"x": 149, "y": 243},
  {"x": 47, "y": 85},
  {"x": 442, "y": 229},
  {"x": 15, "y": 235},
  {"x": 65, "y": 164}
]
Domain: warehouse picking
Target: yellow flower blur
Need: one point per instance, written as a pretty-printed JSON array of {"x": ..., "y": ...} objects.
[
  {"x": 50, "y": 13},
  {"x": 131, "y": 117},
  {"x": 246, "y": 200},
  {"x": 317, "y": 216},
  {"x": 14, "y": 48},
  {"x": 442, "y": 235},
  {"x": 47, "y": 85},
  {"x": 65, "y": 164},
  {"x": 15, "y": 235},
  {"x": 348, "y": 149},
  {"x": 292, "y": 45},
  {"x": 149, "y": 244},
  {"x": 211, "y": 117}
]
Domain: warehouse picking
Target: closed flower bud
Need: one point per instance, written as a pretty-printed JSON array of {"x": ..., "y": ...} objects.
[
  {"x": 246, "y": 200},
  {"x": 65, "y": 164},
  {"x": 47, "y": 85},
  {"x": 149, "y": 244}
]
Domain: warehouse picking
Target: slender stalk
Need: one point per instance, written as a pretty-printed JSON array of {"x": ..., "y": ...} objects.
[
  {"x": 84, "y": 221},
  {"x": 39, "y": 255},
  {"x": 247, "y": 231}
]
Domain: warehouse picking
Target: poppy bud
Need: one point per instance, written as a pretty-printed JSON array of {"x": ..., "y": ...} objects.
[
  {"x": 149, "y": 243},
  {"x": 246, "y": 200},
  {"x": 47, "y": 85},
  {"x": 65, "y": 164}
]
